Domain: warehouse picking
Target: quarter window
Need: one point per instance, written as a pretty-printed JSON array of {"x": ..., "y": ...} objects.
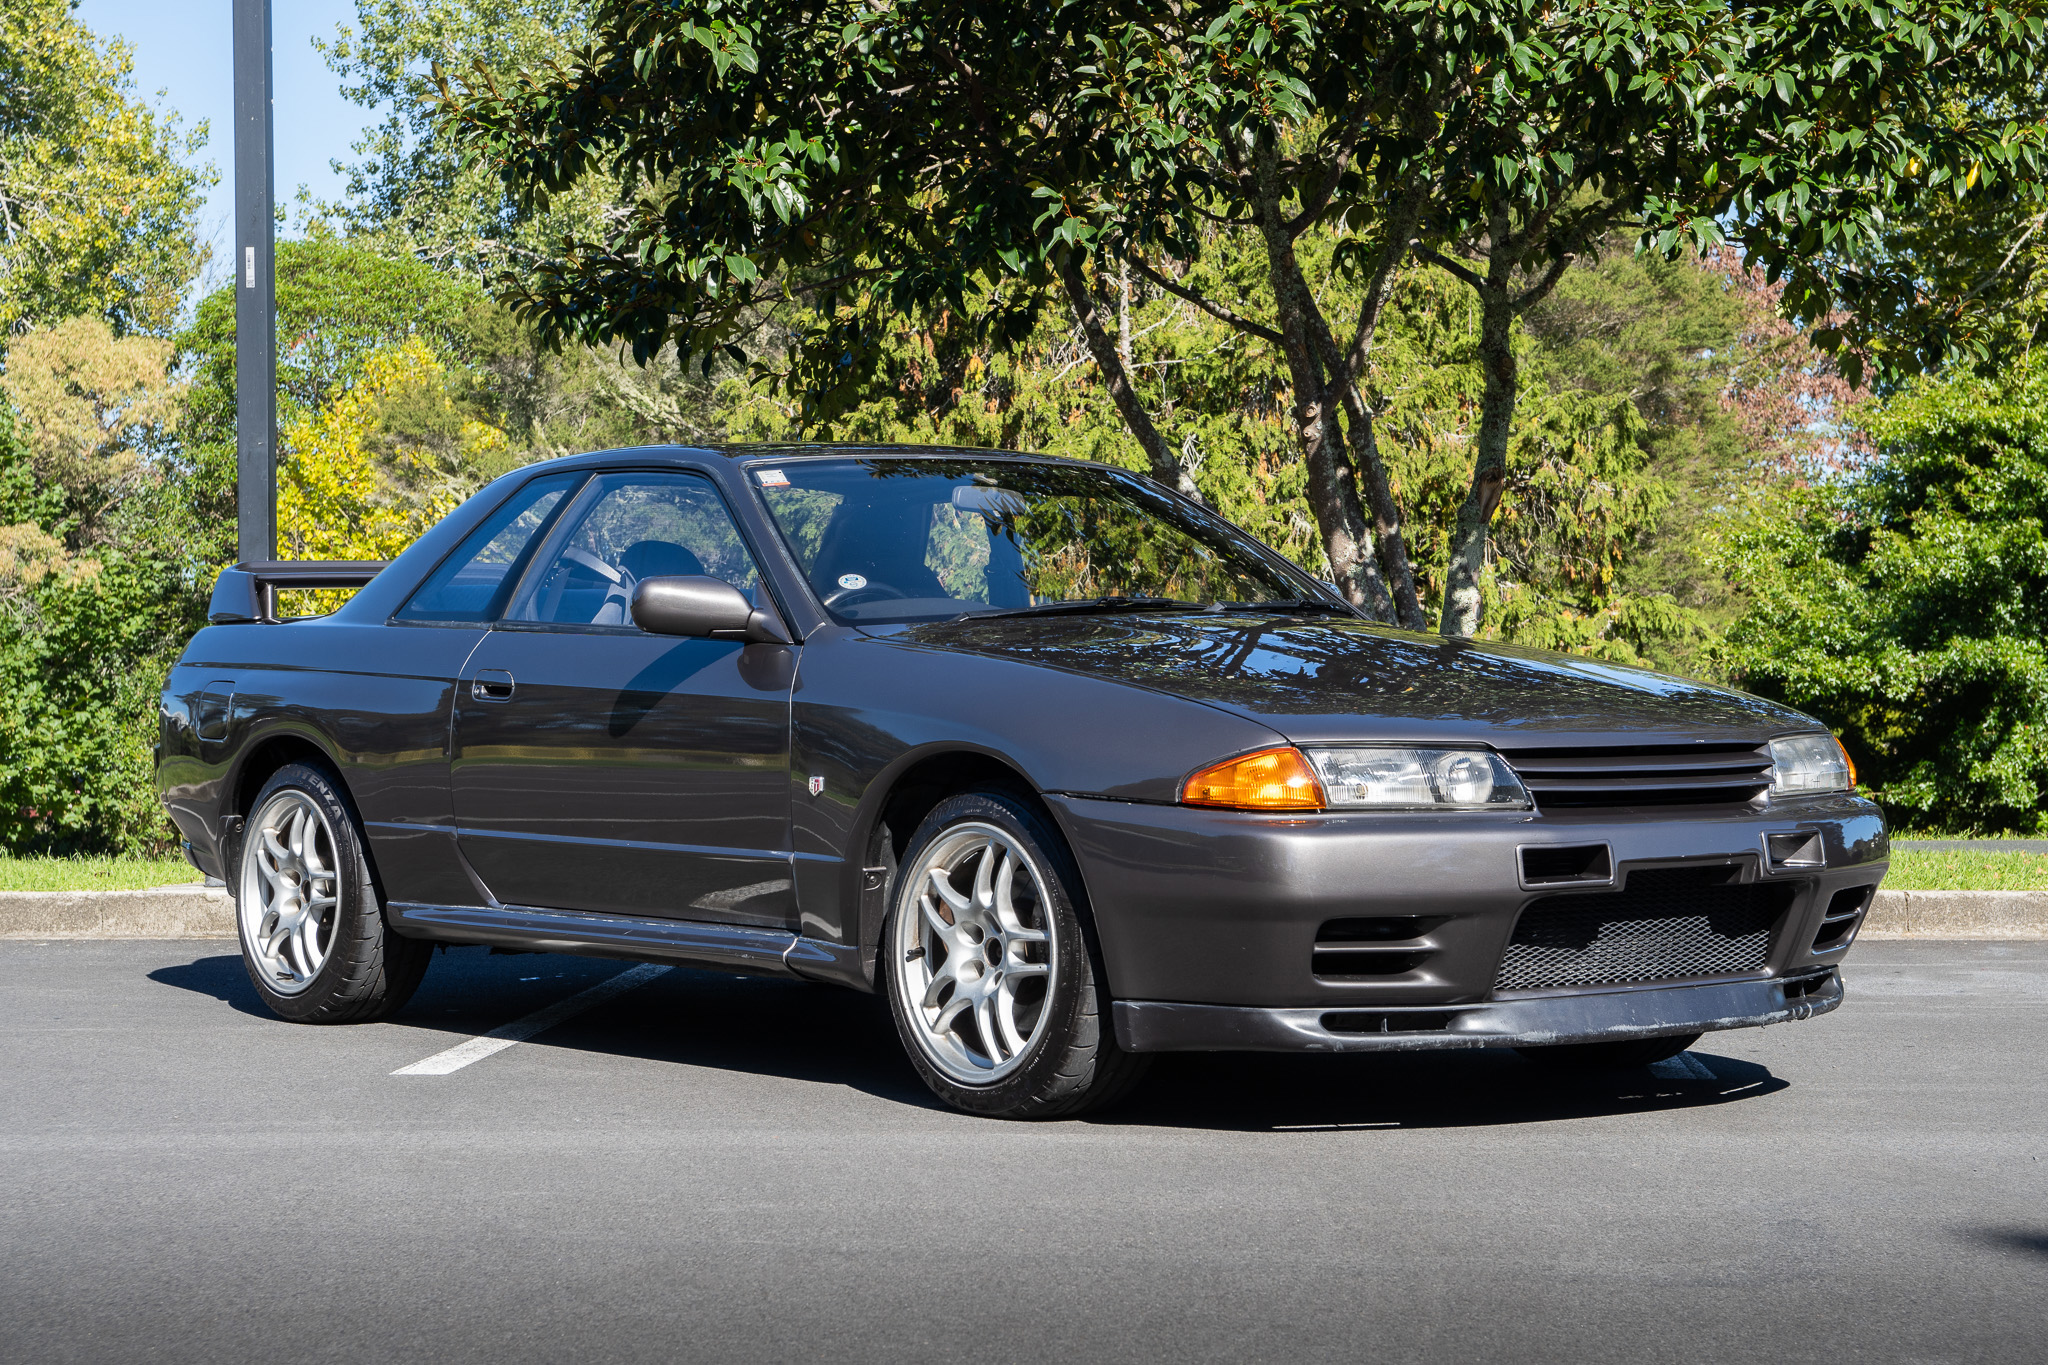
[{"x": 472, "y": 584}]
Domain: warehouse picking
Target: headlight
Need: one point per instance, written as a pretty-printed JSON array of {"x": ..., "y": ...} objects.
[
  {"x": 1810, "y": 763},
  {"x": 1361, "y": 779}
]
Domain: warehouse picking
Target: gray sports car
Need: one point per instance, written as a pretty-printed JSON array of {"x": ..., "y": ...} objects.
[{"x": 1069, "y": 769}]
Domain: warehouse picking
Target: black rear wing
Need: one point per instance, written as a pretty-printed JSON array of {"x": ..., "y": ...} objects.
[{"x": 248, "y": 592}]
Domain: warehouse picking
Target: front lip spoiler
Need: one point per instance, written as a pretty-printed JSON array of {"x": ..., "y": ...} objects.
[{"x": 1611, "y": 1016}]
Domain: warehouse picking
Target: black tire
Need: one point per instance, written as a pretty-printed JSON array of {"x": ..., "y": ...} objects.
[
  {"x": 1622, "y": 1056},
  {"x": 1071, "y": 1063},
  {"x": 367, "y": 971}
]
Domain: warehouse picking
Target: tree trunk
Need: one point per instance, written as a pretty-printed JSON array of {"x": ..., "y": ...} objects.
[
  {"x": 1462, "y": 607},
  {"x": 1123, "y": 314},
  {"x": 1165, "y": 465},
  {"x": 1345, "y": 370},
  {"x": 1379, "y": 495},
  {"x": 1332, "y": 491}
]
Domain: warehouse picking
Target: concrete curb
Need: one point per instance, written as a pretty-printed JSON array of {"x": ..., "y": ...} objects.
[
  {"x": 206, "y": 912},
  {"x": 159, "y": 912},
  {"x": 1957, "y": 914}
]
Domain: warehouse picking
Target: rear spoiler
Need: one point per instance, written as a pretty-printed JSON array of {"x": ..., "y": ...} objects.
[{"x": 248, "y": 592}]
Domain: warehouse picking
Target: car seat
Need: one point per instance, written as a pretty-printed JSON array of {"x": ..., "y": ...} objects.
[
  {"x": 658, "y": 559},
  {"x": 642, "y": 559},
  {"x": 883, "y": 542}
]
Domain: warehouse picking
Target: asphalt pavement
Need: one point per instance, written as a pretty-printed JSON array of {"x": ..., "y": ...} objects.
[{"x": 704, "y": 1167}]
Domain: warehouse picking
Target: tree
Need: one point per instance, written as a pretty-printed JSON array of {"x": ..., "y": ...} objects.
[
  {"x": 337, "y": 304},
  {"x": 786, "y": 149},
  {"x": 1802, "y": 128},
  {"x": 1640, "y": 379},
  {"x": 97, "y": 212},
  {"x": 93, "y": 605},
  {"x": 1908, "y": 607},
  {"x": 340, "y": 497},
  {"x": 95, "y": 407},
  {"x": 411, "y": 191},
  {"x": 790, "y": 150}
]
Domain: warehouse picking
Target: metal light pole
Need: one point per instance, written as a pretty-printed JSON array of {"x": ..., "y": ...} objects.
[{"x": 255, "y": 290}]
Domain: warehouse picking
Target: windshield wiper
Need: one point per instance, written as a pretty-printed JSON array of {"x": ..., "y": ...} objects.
[
  {"x": 1087, "y": 604},
  {"x": 1285, "y": 605}
]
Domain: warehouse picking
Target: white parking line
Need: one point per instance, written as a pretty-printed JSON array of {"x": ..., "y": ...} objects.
[
  {"x": 519, "y": 1030},
  {"x": 1683, "y": 1067}
]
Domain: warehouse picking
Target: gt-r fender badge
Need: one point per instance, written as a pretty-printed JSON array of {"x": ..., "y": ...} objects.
[
  {"x": 772, "y": 478},
  {"x": 852, "y": 580},
  {"x": 817, "y": 786}
]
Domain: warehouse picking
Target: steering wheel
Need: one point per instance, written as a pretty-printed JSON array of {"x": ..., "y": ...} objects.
[
  {"x": 577, "y": 555},
  {"x": 872, "y": 590},
  {"x": 619, "y": 594}
]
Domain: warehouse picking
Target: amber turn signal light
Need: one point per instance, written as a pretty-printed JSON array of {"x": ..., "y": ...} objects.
[
  {"x": 1272, "y": 779},
  {"x": 1848, "y": 760}
]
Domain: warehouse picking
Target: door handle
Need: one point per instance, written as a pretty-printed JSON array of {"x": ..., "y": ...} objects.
[{"x": 492, "y": 684}]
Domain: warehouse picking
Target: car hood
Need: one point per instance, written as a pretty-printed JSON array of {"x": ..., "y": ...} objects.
[{"x": 1334, "y": 679}]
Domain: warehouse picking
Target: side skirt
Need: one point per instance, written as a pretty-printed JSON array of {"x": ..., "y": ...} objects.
[{"x": 727, "y": 947}]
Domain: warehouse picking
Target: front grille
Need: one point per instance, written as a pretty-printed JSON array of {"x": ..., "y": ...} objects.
[
  {"x": 1643, "y": 775},
  {"x": 1668, "y": 924}
]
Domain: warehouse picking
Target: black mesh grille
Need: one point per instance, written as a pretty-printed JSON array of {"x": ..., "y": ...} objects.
[
  {"x": 1643, "y": 775},
  {"x": 1665, "y": 925}
]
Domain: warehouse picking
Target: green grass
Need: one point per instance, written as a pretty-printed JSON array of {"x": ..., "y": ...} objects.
[
  {"x": 1966, "y": 870},
  {"x": 92, "y": 874}
]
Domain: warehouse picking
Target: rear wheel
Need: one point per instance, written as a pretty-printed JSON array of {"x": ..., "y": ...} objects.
[
  {"x": 988, "y": 967},
  {"x": 1619, "y": 1056},
  {"x": 313, "y": 934}
]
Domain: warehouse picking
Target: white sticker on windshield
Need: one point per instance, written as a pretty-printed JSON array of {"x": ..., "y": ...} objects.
[
  {"x": 852, "y": 580},
  {"x": 772, "y": 478}
]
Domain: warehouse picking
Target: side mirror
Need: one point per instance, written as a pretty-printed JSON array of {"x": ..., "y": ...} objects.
[{"x": 701, "y": 606}]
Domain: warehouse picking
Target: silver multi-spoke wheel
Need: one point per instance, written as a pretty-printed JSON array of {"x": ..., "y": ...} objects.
[
  {"x": 975, "y": 951},
  {"x": 290, "y": 893}
]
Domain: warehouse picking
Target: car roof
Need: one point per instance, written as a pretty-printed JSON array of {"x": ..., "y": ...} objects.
[{"x": 810, "y": 450}]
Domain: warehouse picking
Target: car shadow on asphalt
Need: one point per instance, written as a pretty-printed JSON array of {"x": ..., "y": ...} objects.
[
  {"x": 824, "y": 1035},
  {"x": 1484, "y": 1087},
  {"x": 223, "y": 978},
  {"x": 795, "y": 1030},
  {"x": 2031, "y": 1243}
]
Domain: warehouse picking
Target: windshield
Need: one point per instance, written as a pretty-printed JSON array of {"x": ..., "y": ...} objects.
[{"x": 892, "y": 540}]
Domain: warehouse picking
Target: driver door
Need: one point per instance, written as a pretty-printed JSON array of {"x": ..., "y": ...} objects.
[{"x": 603, "y": 769}]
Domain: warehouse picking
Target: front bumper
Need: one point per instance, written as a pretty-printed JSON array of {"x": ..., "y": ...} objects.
[
  {"x": 1218, "y": 908},
  {"x": 1605, "y": 1017}
]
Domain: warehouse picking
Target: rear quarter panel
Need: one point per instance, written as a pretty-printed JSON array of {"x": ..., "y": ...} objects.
[{"x": 375, "y": 700}]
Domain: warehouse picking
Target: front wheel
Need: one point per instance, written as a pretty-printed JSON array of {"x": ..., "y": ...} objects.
[
  {"x": 313, "y": 933},
  {"x": 987, "y": 966}
]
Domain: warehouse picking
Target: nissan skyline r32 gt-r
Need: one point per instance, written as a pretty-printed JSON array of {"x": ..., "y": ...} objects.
[{"x": 1068, "y": 768}]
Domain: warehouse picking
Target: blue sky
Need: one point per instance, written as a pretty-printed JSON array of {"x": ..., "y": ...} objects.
[{"x": 185, "y": 48}]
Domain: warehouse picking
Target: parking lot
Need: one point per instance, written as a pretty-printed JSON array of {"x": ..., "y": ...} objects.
[{"x": 709, "y": 1167}]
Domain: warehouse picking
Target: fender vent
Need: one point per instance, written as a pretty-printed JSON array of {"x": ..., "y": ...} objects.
[
  {"x": 1372, "y": 946},
  {"x": 1838, "y": 925},
  {"x": 1666, "y": 925}
]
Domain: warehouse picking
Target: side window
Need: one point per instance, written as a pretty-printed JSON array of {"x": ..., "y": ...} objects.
[
  {"x": 472, "y": 583},
  {"x": 627, "y": 527}
]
